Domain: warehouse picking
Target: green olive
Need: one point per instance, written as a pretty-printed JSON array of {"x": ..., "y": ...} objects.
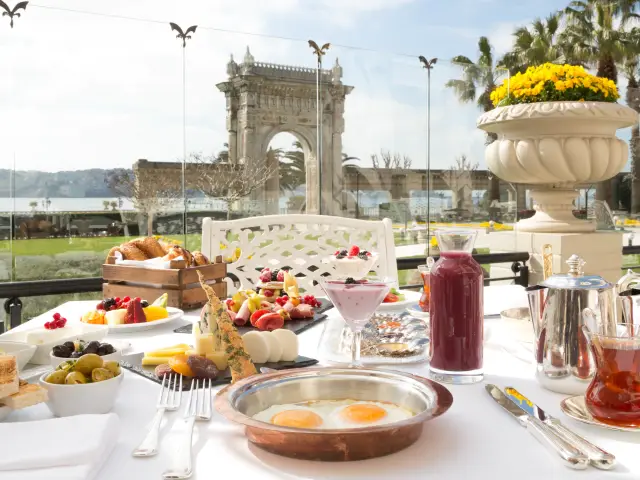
[
  {"x": 67, "y": 366},
  {"x": 101, "y": 374},
  {"x": 113, "y": 367},
  {"x": 87, "y": 363},
  {"x": 74, "y": 378},
  {"x": 56, "y": 377}
]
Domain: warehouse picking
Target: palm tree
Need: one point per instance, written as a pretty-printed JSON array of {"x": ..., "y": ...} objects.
[
  {"x": 536, "y": 44},
  {"x": 105, "y": 203},
  {"x": 477, "y": 82},
  {"x": 595, "y": 34},
  {"x": 633, "y": 100}
]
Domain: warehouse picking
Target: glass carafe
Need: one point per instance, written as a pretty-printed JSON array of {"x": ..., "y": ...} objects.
[
  {"x": 456, "y": 312},
  {"x": 613, "y": 397}
]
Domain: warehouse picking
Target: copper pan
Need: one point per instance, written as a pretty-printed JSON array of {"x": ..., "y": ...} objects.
[{"x": 240, "y": 401}]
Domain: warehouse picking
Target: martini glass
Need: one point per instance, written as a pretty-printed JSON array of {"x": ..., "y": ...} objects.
[{"x": 356, "y": 301}]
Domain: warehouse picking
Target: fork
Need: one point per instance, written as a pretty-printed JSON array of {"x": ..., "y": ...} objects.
[
  {"x": 169, "y": 400},
  {"x": 197, "y": 409}
]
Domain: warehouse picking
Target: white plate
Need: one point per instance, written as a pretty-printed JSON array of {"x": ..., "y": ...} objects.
[
  {"x": 410, "y": 296},
  {"x": 4, "y": 413},
  {"x": 174, "y": 314}
]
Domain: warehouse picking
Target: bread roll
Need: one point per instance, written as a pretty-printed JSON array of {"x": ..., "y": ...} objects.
[
  {"x": 199, "y": 258},
  {"x": 131, "y": 252},
  {"x": 27, "y": 396},
  {"x": 149, "y": 246},
  {"x": 9, "y": 383}
]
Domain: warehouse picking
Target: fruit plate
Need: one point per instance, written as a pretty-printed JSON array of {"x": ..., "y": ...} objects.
[
  {"x": 296, "y": 326},
  {"x": 174, "y": 314},
  {"x": 133, "y": 363},
  {"x": 410, "y": 296}
]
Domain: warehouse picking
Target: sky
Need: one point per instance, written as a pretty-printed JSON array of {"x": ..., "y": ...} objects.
[{"x": 96, "y": 84}]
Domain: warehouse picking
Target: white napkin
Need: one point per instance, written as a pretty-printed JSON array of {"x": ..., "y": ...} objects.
[{"x": 66, "y": 448}]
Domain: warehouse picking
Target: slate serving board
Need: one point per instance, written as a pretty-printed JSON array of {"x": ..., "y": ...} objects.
[
  {"x": 133, "y": 363},
  {"x": 296, "y": 326}
]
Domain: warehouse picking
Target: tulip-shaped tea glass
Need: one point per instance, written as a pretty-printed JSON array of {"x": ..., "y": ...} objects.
[
  {"x": 613, "y": 397},
  {"x": 356, "y": 301}
]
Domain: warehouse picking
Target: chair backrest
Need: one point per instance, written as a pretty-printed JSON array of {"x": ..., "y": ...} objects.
[{"x": 302, "y": 242}]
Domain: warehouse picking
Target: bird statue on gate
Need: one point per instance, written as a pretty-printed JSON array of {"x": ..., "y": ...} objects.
[
  {"x": 183, "y": 35},
  {"x": 8, "y": 12}
]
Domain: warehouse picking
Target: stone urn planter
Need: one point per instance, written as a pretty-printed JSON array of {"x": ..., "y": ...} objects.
[{"x": 555, "y": 147}]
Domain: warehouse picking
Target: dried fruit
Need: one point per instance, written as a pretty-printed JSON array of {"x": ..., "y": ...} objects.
[
  {"x": 202, "y": 367},
  {"x": 180, "y": 364},
  {"x": 162, "y": 370}
]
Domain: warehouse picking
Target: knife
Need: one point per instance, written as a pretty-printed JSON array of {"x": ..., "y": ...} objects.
[
  {"x": 572, "y": 457},
  {"x": 597, "y": 457}
]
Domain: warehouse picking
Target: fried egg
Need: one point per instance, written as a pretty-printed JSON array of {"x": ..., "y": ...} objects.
[
  {"x": 367, "y": 414},
  {"x": 333, "y": 414}
]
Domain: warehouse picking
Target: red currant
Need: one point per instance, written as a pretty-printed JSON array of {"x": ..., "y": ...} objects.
[
  {"x": 56, "y": 316},
  {"x": 126, "y": 299},
  {"x": 63, "y": 322},
  {"x": 137, "y": 299},
  {"x": 100, "y": 306},
  {"x": 47, "y": 325},
  {"x": 117, "y": 299}
]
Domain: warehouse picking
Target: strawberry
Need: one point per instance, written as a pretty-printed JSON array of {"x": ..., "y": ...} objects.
[
  {"x": 390, "y": 298},
  {"x": 257, "y": 314},
  {"x": 270, "y": 322},
  {"x": 355, "y": 250},
  {"x": 135, "y": 314}
]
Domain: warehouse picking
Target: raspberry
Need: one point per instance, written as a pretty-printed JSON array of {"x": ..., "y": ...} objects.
[
  {"x": 355, "y": 250},
  {"x": 337, "y": 252},
  {"x": 280, "y": 276},
  {"x": 56, "y": 316},
  {"x": 268, "y": 293}
]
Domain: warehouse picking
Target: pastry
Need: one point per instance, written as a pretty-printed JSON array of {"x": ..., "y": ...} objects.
[
  {"x": 149, "y": 246},
  {"x": 199, "y": 258},
  {"x": 176, "y": 251},
  {"x": 238, "y": 359},
  {"x": 112, "y": 253},
  {"x": 131, "y": 252},
  {"x": 9, "y": 383},
  {"x": 27, "y": 395}
]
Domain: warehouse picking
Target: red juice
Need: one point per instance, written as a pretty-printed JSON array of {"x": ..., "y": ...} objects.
[{"x": 456, "y": 318}]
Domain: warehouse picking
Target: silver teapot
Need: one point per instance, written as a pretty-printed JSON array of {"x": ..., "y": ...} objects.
[{"x": 564, "y": 362}]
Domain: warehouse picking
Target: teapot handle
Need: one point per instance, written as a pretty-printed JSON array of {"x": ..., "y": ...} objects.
[{"x": 590, "y": 321}]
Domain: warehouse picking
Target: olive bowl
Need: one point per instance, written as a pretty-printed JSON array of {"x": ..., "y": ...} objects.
[
  {"x": 112, "y": 357},
  {"x": 425, "y": 398},
  {"x": 81, "y": 399}
]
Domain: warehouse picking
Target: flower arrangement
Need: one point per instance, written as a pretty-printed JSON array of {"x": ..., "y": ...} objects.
[{"x": 552, "y": 83}]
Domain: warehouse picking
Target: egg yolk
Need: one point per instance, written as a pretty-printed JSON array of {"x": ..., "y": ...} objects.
[
  {"x": 297, "y": 419},
  {"x": 363, "y": 413}
]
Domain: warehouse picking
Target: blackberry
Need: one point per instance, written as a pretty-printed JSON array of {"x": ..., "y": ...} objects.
[
  {"x": 363, "y": 255},
  {"x": 144, "y": 304},
  {"x": 274, "y": 275},
  {"x": 350, "y": 281},
  {"x": 108, "y": 303},
  {"x": 344, "y": 252},
  {"x": 340, "y": 256}
]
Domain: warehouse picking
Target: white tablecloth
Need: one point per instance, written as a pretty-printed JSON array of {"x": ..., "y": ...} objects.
[{"x": 475, "y": 439}]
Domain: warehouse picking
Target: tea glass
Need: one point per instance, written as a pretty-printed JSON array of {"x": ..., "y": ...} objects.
[{"x": 613, "y": 397}]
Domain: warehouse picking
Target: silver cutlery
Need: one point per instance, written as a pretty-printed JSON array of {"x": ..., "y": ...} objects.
[
  {"x": 571, "y": 456},
  {"x": 199, "y": 406},
  {"x": 597, "y": 457},
  {"x": 168, "y": 401}
]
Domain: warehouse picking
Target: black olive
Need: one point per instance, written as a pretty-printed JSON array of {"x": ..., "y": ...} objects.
[
  {"x": 108, "y": 348},
  {"x": 102, "y": 351},
  {"x": 61, "y": 351},
  {"x": 70, "y": 345},
  {"x": 144, "y": 304},
  {"x": 91, "y": 347}
]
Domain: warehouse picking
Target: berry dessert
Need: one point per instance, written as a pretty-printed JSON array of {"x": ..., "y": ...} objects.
[
  {"x": 271, "y": 282},
  {"x": 79, "y": 348},
  {"x": 53, "y": 331},
  {"x": 353, "y": 262}
]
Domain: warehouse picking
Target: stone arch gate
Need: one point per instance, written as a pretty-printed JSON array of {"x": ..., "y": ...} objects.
[{"x": 265, "y": 99}]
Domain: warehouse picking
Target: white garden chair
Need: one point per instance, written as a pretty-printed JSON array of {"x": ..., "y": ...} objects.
[{"x": 301, "y": 242}]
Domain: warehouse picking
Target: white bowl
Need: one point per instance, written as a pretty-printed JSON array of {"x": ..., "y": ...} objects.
[
  {"x": 22, "y": 351},
  {"x": 77, "y": 331},
  {"x": 88, "y": 398},
  {"x": 115, "y": 357}
]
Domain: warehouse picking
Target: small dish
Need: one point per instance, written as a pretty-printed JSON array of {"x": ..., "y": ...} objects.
[
  {"x": 21, "y": 350},
  {"x": 115, "y": 357},
  {"x": 353, "y": 267},
  {"x": 410, "y": 296},
  {"x": 575, "y": 408},
  {"x": 89, "y": 398}
]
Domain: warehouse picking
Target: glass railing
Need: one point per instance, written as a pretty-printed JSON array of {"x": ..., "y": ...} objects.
[{"x": 123, "y": 130}]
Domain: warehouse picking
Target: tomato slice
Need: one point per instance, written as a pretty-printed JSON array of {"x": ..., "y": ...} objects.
[{"x": 390, "y": 298}]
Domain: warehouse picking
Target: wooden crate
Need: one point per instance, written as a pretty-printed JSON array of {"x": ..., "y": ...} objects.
[{"x": 181, "y": 283}]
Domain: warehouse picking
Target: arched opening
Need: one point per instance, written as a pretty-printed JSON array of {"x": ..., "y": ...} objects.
[{"x": 288, "y": 151}]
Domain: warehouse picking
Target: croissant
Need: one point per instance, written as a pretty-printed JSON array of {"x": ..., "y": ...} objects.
[
  {"x": 176, "y": 251},
  {"x": 149, "y": 246},
  {"x": 131, "y": 252},
  {"x": 112, "y": 253},
  {"x": 200, "y": 258}
]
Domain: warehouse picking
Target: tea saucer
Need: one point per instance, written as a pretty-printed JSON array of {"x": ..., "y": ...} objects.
[
  {"x": 415, "y": 311},
  {"x": 575, "y": 408}
]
